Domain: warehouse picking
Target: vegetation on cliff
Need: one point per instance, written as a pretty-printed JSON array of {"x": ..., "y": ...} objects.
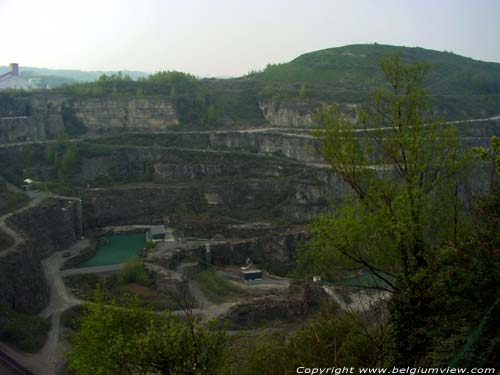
[
  {"x": 409, "y": 223},
  {"x": 25, "y": 332},
  {"x": 193, "y": 102},
  {"x": 126, "y": 339}
]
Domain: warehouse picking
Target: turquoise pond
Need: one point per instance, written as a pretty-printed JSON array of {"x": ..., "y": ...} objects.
[{"x": 120, "y": 248}]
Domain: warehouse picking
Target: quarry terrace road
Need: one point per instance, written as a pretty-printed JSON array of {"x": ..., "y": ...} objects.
[
  {"x": 249, "y": 130},
  {"x": 45, "y": 361}
]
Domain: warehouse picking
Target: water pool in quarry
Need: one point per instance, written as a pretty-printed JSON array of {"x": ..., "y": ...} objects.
[{"x": 116, "y": 248}]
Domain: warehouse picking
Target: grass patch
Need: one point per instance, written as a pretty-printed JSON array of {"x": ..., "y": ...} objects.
[
  {"x": 133, "y": 279},
  {"x": 216, "y": 289},
  {"x": 148, "y": 297},
  {"x": 27, "y": 333}
]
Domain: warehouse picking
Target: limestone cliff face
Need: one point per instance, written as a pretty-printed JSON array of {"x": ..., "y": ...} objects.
[
  {"x": 300, "y": 147},
  {"x": 20, "y": 129},
  {"x": 170, "y": 165},
  {"x": 46, "y": 112},
  {"x": 239, "y": 200},
  {"x": 283, "y": 114},
  {"x": 23, "y": 284},
  {"x": 127, "y": 113},
  {"x": 38, "y": 118},
  {"x": 51, "y": 226},
  {"x": 47, "y": 116}
]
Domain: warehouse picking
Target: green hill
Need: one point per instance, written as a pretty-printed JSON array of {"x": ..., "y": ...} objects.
[{"x": 460, "y": 87}]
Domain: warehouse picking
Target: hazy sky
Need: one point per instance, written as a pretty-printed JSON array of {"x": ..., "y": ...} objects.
[{"x": 232, "y": 37}]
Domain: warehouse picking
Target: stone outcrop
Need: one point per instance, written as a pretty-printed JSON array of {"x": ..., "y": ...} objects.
[
  {"x": 23, "y": 285},
  {"x": 164, "y": 165},
  {"x": 20, "y": 129},
  {"x": 239, "y": 200},
  {"x": 274, "y": 251},
  {"x": 300, "y": 147},
  {"x": 42, "y": 116},
  {"x": 288, "y": 114},
  {"x": 52, "y": 226},
  {"x": 125, "y": 113},
  {"x": 283, "y": 308}
]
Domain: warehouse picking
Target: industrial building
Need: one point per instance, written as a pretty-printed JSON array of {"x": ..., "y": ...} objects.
[{"x": 12, "y": 80}]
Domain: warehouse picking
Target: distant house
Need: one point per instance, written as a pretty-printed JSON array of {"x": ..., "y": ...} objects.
[
  {"x": 12, "y": 80},
  {"x": 249, "y": 275},
  {"x": 156, "y": 233}
]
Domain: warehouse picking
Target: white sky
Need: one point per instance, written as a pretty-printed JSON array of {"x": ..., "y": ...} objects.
[{"x": 232, "y": 37}]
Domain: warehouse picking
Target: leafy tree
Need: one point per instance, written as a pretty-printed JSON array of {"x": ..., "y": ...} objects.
[
  {"x": 302, "y": 91},
  {"x": 326, "y": 340},
  {"x": 133, "y": 272},
  {"x": 491, "y": 156},
  {"x": 402, "y": 167},
  {"x": 69, "y": 162},
  {"x": 212, "y": 115},
  {"x": 129, "y": 339}
]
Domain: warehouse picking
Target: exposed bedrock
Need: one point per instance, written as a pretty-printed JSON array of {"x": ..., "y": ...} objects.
[
  {"x": 22, "y": 283},
  {"x": 125, "y": 113},
  {"x": 51, "y": 226},
  {"x": 237, "y": 201},
  {"x": 297, "y": 147},
  {"x": 286, "y": 114},
  {"x": 275, "y": 251},
  {"x": 20, "y": 129},
  {"x": 296, "y": 304},
  {"x": 44, "y": 116},
  {"x": 164, "y": 165}
]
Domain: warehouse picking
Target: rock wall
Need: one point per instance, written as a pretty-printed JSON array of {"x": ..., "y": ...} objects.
[
  {"x": 125, "y": 113},
  {"x": 236, "y": 201},
  {"x": 168, "y": 165},
  {"x": 22, "y": 283},
  {"x": 286, "y": 114},
  {"x": 300, "y": 147},
  {"x": 49, "y": 116},
  {"x": 52, "y": 226},
  {"x": 20, "y": 129},
  {"x": 275, "y": 251},
  {"x": 49, "y": 227},
  {"x": 295, "y": 305}
]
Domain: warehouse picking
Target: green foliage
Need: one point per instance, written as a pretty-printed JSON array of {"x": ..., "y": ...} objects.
[
  {"x": 326, "y": 340},
  {"x": 349, "y": 238},
  {"x": 65, "y": 157},
  {"x": 302, "y": 92},
  {"x": 126, "y": 338},
  {"x": 404, "y": 172},
  {"x": 71, "y": 318},
  {"x": 72, "y": 125},
  {"x": 133, "y": 272},
  {"x": 26, "y": 332},
  {"x": 398, "y": 172},
  {"x": 195, "y": 106},
  {"x": 216, "y": 289},
  {"x": 491, "y": 156},
  {"x": 459, "y": 86}
]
